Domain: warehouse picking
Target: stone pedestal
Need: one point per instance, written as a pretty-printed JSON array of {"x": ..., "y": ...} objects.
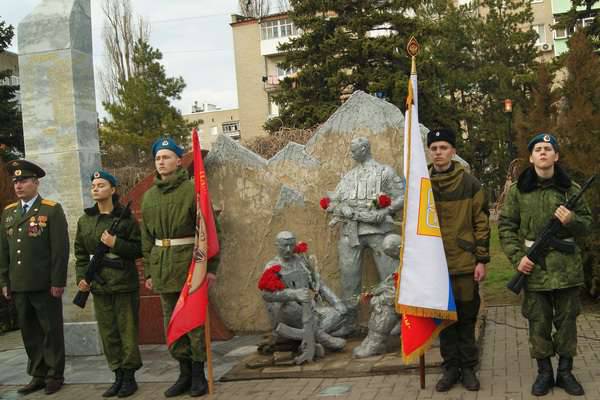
[{"x": 59, "y": 111}]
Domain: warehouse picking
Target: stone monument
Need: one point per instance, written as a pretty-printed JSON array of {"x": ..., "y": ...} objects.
[{"x": 60, "y": 126}]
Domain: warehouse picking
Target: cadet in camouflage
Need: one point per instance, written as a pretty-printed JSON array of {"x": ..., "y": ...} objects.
[{"x": 552, "y": 295}]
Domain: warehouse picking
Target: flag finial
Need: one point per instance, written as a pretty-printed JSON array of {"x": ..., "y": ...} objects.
[{"x": 412, "y": 48}]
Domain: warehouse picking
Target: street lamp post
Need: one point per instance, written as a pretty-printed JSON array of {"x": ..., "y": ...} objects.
[{"x": 508, "y": 112}]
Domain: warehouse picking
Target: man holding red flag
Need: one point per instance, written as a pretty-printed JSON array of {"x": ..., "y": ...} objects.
[{"x": 170, "y": 242}]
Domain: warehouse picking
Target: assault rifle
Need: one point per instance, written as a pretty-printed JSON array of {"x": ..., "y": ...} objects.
[
  {"x": 547, "y": 239},
  {"x": 98, "y": 261}
]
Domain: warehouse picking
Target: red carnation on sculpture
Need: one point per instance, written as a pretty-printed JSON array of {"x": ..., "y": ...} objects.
[
  {"x": 395, "y": 277},
  {"x": 382, "y": 201},
  {"x": 324, "y": 203},
  {"x": 301, "y": 247},
  {"x": 271, "y": 280}
]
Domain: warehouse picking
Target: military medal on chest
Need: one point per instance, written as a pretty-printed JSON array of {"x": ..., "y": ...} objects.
[{"x": 34, "y": 229}]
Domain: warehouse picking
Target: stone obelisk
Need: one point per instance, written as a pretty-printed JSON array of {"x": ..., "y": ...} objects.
[{"x": 60, "y": 126}]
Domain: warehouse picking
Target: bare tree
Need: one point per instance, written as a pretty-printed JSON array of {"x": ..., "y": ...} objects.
[
  {"x": 254, "y": 8},
  {"x": 120, "y": 33},
  {"x": 284, "y": 5}
]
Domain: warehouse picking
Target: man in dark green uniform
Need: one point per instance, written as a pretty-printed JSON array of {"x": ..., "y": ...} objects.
[
  {"x": 552, "y": 294},
  {"x": 34, "y": 253},
  {"x": 116, "y": 300},
  {"x": 168, "y": 229},
  {"x": 463, "y": 214}
]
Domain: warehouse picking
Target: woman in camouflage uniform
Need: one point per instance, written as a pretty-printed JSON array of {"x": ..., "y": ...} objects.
[
  {"x": 116, "y": 302},
  {"x": 552, "y": 294}
]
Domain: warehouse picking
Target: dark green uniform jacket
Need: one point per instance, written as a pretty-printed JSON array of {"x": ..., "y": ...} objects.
[
  {"x": 529, "y": 205},
  {"x": 127, "y": 248},
  {"x": 463, "y": 214},
  {"x": 34, "y": 248},
  {"x": 169, "y": 212}
]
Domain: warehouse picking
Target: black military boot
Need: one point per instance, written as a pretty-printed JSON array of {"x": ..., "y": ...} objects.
[
  {"x": 199, "y": 385},
  {"x": 469, "y": 379},
  {"x": 183, "y": 382},
  {"x": 545, "y": 378},
  {"x": 114, "y": 389},
  {"x": 565, "y": 378},
  {"x": 449, "y": 378},
  {"x": 129, "y": 385}
]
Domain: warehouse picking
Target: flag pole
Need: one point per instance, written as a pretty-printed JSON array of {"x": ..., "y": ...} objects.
[
  {"x": 207, "y": 342},
  {"x": 412, "y": 48}
]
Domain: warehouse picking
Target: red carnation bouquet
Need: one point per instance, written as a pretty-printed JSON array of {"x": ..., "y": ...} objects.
[
  {"x": 395, "y": 277},
  {"x": 382, "y": 201},
  {"x": 324, "y": 203},
  {"x": 301, "y": 247},
  {"x": 271, "y": 279}
]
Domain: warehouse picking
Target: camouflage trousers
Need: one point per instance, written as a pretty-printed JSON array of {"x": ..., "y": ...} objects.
[
  {"x": 457, "y": 342},
  {"x": 118, "y": 323},
  {"x": 188, "y": 347},
  {"x": 543, "y": 309}
]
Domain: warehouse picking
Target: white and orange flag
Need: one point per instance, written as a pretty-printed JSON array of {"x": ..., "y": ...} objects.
[{"x": 424, "y": 296}]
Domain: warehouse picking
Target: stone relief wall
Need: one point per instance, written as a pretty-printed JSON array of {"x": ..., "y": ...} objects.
[{"x": 258, "y": 198}]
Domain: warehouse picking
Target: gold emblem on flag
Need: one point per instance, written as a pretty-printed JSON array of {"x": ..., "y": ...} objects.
[
  {"x": 412, "y": 48},
  {"x": 428, "y": 223}
]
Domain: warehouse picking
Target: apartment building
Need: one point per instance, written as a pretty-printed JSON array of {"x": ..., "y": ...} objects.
[
  {"x": 256, "y": 57},
  {"x": 212, "y": 121}
]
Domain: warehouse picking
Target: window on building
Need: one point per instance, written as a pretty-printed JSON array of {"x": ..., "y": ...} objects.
[
  {"x": 536, "y": 1},
  {"x": 282, "y": 72},
  {"x": 231, "y": 127},
  {"x": 562, "y": 33},
  {"x": 273, "y": 109},
  {"x": 277, "y": 28},
  {"x": 214, "y": 130},
  {"x": 541, "y": 34}
]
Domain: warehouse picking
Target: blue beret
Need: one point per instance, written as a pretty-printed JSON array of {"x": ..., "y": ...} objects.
[
  {"x": 104, "y": 175},
  {"x": 542, "y": 137},
  {"x": 166, "y": 143},
  {"x": 444, "y": 134}
]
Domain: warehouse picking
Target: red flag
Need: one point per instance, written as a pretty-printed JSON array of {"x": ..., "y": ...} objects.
[{"x": 190, "y": 311}]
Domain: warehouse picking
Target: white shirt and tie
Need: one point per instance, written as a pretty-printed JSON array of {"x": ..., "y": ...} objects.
[{"x": 26, "y": 205}]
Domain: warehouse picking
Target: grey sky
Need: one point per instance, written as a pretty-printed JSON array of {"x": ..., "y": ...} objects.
[{"x": 193, "y": 35}]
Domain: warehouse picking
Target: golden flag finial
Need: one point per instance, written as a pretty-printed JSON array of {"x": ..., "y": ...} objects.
[{"x": 412, "y": 48}]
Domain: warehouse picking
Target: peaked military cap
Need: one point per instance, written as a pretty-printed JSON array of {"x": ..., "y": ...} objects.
[
  {"x": 168, "y": 144},
  {"x": 542, "y": 137},
  {"x": 443, "y": 134},
  {"x": 102, "y": 174},
  {"x": 22, "y": 169}
]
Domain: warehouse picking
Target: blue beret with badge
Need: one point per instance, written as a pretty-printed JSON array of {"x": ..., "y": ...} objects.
[
  {"x": 102, "y": 174},
  {"x": 168, "y": 144},
  {"x": 543, "y": 137},
  {"x": 443, "y": 134}
]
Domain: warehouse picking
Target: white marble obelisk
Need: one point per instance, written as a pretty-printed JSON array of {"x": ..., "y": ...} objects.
[{"x": 60, "y": 125}]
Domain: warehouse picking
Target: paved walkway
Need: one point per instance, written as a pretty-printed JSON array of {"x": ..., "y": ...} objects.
[{"x": 506, "y": 372}]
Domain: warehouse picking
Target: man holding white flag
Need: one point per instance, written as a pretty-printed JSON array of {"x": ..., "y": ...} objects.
[{"x": 464, "y": 220}]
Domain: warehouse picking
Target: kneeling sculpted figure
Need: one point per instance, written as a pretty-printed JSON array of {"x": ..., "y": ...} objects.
[
  {"x": 383, "y": 320},
  {"x": 300, "y": 306}
]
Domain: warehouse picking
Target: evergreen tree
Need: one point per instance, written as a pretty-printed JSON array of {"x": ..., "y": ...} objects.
[
  {"x": 579, "y": 133},
  {"x": 338, "y": 47},
  {"x": 541, "y": 113},
  {"x": 11, "y": 124},
  {"x": 142, "y": 110},
  {"x": 505, "y": 60}
]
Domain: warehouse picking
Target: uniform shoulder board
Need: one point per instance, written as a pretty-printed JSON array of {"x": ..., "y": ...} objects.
[
  {"x": 11, "y": 205},
  {"x": 47, "y": 202}
]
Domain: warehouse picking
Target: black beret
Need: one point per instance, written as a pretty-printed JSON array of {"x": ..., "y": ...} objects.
[{"x": 444, "y": 134}]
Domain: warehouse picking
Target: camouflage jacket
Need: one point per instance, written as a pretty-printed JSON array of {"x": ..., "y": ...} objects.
[
  {"x": 124, "y": 276},
  {"x": 463, "y": 215},
  {"x": 169, "y": 212},
  {"x": 529, "y": 205}
]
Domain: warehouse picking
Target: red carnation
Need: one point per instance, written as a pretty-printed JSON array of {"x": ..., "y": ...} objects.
[
  {"x": 395, "y": 277},
  {"x": 301, "y": 247},
  {"x": 324, "y": 203},
  {"x": 271, "y": 280},
  {"x": 383, "y": 201}
]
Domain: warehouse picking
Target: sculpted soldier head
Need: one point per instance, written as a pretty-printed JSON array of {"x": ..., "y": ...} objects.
[
  {"x": 360, "y": 149},
  {"x": 285, "y": 242}
]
